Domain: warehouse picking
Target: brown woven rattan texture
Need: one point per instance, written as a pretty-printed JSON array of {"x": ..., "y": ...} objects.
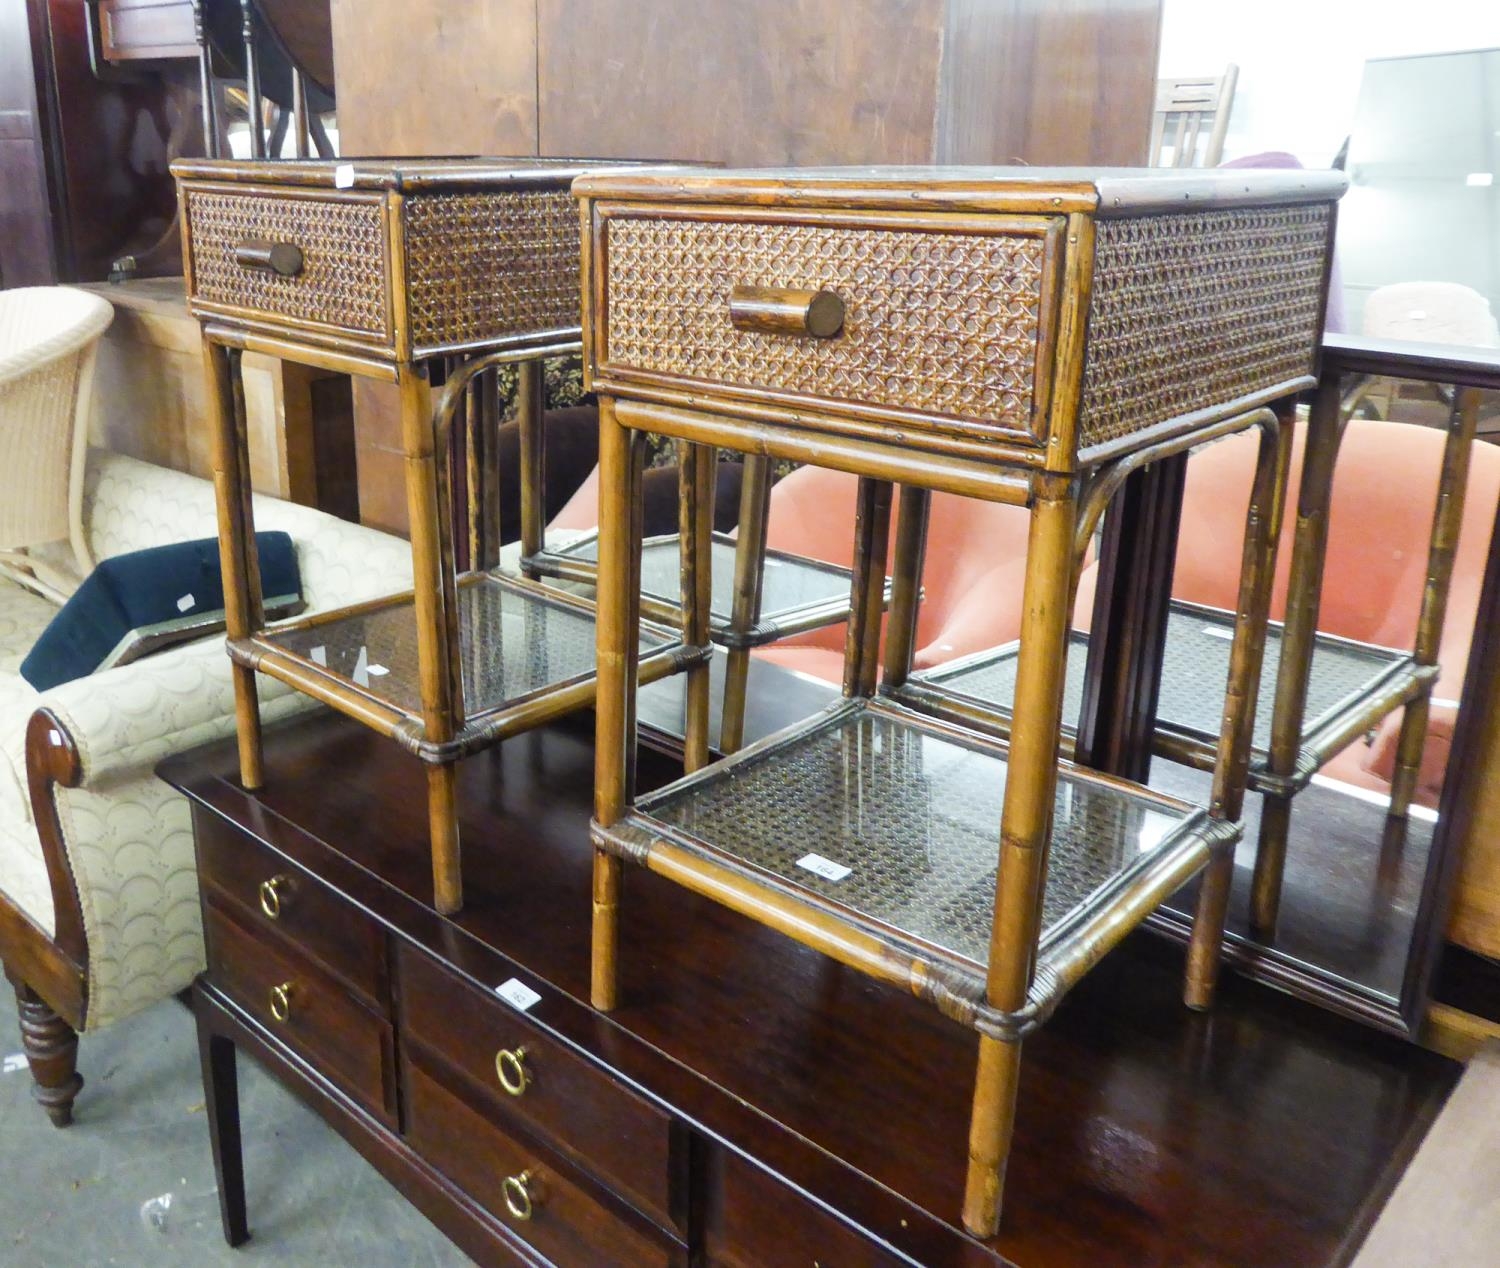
[
  {"x": 1193, "y": 310},
  {"x": 486, "y": 266},
  {"x": 512, "y": 643},
  {"x": 342, "y": 282},
  {"x": 914, "y": 816},
  {"x": 1195, "y": 671},
  {"x": 940, "y": 323}
]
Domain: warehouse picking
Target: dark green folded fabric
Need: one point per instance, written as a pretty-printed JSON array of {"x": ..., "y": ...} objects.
[{"x": 134, "y": 604}]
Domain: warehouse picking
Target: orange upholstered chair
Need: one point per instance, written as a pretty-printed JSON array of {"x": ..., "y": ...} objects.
[{"x": 976, "y": 556}]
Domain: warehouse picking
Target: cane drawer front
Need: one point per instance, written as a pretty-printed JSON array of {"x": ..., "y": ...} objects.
[
  {"x": 945, "y": 319},
  {"x": 336, "y": 286},
  {"x": 538, "y": 1199},
  {"x": 753, "y": 1219},
  {"x": 305, "y": 1008},
  {"x": 269, "y": 895},
  {"x": 529, "y": 1078}
]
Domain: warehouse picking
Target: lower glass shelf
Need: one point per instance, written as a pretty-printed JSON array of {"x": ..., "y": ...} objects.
[
  {"x": 797, "y": 593},
  {"x": 517, "y": 642},
  {"x": 1195, "y": 670},
  {"x": 889, "y": 822}
]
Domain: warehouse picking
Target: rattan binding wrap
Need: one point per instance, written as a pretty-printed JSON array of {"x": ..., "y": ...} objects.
[
  {"x": 485, "y": 266},
  {"x": 1194, "y": 310},
  {"x": 936, "y": 323},
  {"x": 342, "y": 282}
]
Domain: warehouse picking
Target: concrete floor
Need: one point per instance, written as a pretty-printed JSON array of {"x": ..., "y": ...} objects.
[{"x": 84, "y": 1197}]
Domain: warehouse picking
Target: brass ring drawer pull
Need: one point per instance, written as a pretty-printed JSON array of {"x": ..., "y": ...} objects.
[
  {"x": 281, "y": 1002},
  {"x": 510, "y": 1069},
  {"x": 284, "y": 258},
  {"x": 773, "y": 310},
  {"x": 272, "y": 893},
  {"x": 517, "y": 1193}
]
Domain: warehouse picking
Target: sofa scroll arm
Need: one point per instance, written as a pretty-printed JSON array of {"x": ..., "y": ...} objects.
[{"x": 52, "y": 759}]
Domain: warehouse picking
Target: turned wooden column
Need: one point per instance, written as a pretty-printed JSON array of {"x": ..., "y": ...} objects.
[{"x": 51, "y": 1047}]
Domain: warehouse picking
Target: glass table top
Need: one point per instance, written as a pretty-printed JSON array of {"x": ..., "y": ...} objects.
[
  {"x": 513, "y": 643},
  {"x": 876, "y": 813}
]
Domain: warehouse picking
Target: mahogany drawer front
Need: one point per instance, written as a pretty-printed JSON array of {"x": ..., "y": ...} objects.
[
  {"x": 270, "y": 894},
  {"x": 942, "y": 327},
  {"x": 343, "y": 284},
  {"x": 566, "y": 1223},
  {"x": 753, "y": 1220},
  {"x": 607, "y": 1129},
  {"x": 305, "y": 1008}
]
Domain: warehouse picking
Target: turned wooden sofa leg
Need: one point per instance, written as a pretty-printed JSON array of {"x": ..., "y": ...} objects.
[{"x": 51, "y": 1047}]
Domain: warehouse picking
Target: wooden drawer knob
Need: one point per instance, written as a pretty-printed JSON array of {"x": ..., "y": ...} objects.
[
  {"x": 517, "y": 1193},
  {"x": 770, "y": 310},
  {"x": 284, "y": 258},
  {"x": 273, "y": 893},
  {"x": 281, "y": 1002},
  {"x": 510, "y": 1069}
]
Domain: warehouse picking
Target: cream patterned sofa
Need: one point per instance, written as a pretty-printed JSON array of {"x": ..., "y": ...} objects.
[{"x": 98, "y": 891}]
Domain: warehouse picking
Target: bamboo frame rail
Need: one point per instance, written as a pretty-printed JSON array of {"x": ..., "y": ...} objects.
[{"x": 1029, "y": 418}]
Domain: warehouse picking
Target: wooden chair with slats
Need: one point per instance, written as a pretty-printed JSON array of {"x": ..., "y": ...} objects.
[{"x": 1192, "y": 115}]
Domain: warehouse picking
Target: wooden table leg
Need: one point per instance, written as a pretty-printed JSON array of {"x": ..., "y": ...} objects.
[
  {"x": 222, "y": 1099},
  {"x": 1447, "y": 521},
  {"x": 749, "y": 577},
  {"x": 435, "y": 604},
  {"x": 529, "y": 405},
  {"x": 695, "y": 525},
  {"x": 1304, "y": 595},
  {"x": 618, "y": 597},
  {"x": 906, "y": 583},
  {"x": 1232, "y": 762},
  {"x": 237, "y": 558},
  {"x": 1030, "y": 788}
]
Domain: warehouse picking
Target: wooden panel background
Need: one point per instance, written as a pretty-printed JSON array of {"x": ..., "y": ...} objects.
[{"x": 734, "y": 81}]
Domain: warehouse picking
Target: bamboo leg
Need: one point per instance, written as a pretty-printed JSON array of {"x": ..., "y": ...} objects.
[
  {"x": 236, "y": 533},
  {"x": 617, "y": 634},
  {"x": 872, "y": 530},
  {"x": 1447, "y": 520},
  {"x": 906, "y": 583},
  {"x": 533, "y": 458},
  {"x": 1031, "y": 783},
  {"x": 1304, "y": 595},
  {"x": 1232, "y": 764},
  {"x": 696, "y": 524},
  {"x": 749, "y": 574},
  {"x": 436, "y": 616}
]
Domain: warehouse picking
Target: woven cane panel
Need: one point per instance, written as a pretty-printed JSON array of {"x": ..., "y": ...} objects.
[
  {"x": 917, "y": 819},
  {"x": 939, "y": 323},
  {"x": 1195, "y": 675},
  {"x": 342, "y": 282},
  {"x": 511, "y": 645},
  {"x": 1190, "y": 311},
  {"x": 485, "y": 266}
]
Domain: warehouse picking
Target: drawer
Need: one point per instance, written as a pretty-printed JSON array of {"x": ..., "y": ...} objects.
[
  {"x": 537, "y": 1200},
  {"x": 754, "y": 1220},
  {"x": 563, "y": 1098},
  {"x": 268, "y": 893},
  {"x": 340, "y": 285},
  {"x": 943, "y": 317},
  {"x": 306, "y": 1009}
]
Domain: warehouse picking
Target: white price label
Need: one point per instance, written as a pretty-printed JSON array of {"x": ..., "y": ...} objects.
[
  {"x": 826, "y": 868},
  {"x": 1218, "y": 631},
  {"x": 184, "y": 603},
  {"x": 343, "y": 176},
  {"x": 16, "y": 1061},
  {"x": 517, "y": 994}
]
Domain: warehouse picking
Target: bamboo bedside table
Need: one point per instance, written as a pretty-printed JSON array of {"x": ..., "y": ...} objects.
[
  {"x": 378, "y": 268},
  {"x": 1022, "y": 335}
]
